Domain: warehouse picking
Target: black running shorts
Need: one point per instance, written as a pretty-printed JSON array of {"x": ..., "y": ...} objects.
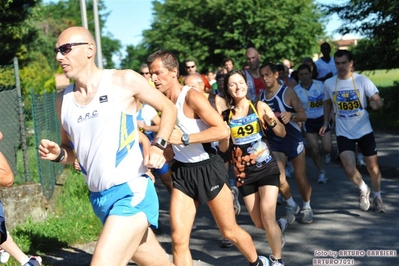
[
  {"x": 200, "y": 181},
  {"x": 251, "y": 188},
  {"x": 313, "y": 125},
  {"x": 366, "y": 144}
]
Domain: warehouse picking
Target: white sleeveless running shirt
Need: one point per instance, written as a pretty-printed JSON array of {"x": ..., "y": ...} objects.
[
  {"x": 104, "y": 139},
  {"x": 193, "y": 152}
]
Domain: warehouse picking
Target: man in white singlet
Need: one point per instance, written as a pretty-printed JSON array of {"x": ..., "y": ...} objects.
[
  {"x": 97, "y": 115},
  {"x": 198, "y": 174}
]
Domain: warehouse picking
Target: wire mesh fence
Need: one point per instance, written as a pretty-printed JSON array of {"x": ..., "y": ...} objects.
[
  {"x": 9, "y": 120},
  {"x": 46, "y": 126},
  {"x": 23, "y": 128}
]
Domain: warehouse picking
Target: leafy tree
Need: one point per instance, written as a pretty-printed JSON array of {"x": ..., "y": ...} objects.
[
  {"x": 207, "y": 31},
  {"x": 376, "y": 20},
  {"x": 136, "y": 56},
  {"x": 50, "y": 20},
  {"x": 110, "y": 47},
  {"x": 14, "y": 30}
]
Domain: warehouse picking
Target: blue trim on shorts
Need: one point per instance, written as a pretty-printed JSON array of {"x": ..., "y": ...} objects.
[
  {"x": 164, "y": 170},
  {"x": 118, "y": 199}
]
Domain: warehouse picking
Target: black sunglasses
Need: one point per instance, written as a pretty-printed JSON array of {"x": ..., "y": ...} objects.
[
  {"x": 144, "y": 73},
  {"x": 188, "y": 67},
  {"x": 66, "y": 48}
]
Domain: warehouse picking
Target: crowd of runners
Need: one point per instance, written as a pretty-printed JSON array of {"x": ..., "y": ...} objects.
[{"x": 124, "y": 129}]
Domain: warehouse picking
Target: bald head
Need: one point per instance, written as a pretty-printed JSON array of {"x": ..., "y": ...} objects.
[
  {"x": 253, "y": 58},
  {"x": 287, "y": 63},
  {"x": 75, "y": 51},
  {"x": 75, "y": 35},
  {"x": 195, "y": 80},
  {"x": 252, "y": 50}
]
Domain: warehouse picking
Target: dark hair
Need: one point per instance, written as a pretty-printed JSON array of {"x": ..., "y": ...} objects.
[
  {"x": 326, "y": 44},
  {"x": 273, "y": 67},
  {"x": 227, "y": 59},
  {"x": 341, "y": 53},
  {"x": 304, "y": 66},
  {"x": 229, "y": 100},
  {"x": 280, "y": 67},
  {"x": 220, "y": 76},
  {"x": 169, "y": 60},
  {"x": 307, "y": 59}
]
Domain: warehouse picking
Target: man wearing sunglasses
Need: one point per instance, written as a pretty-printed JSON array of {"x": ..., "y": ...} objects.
[
  {"x": 97, "y": 115},
  {"x": 146, "y": 73},
  {"x": 191, "y": 67}
]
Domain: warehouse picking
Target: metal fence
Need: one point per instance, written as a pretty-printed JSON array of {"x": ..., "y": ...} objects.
[{"x": 23, "y": 128}]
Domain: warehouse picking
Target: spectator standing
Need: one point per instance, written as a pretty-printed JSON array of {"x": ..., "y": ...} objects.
[
  {"x": 191, "y": 67},
  {"x": 228, "y": 64},
  {"x": 212, "y": 81}
]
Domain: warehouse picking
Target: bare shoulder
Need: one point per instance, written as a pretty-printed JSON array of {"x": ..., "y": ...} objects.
[
  {"x": 290, "y": 93},
  {"x": 220, "y": 103},
  {"x": 194, "y": 95},
  {"x": 129, "y": 80},
  {"x": 123, "y": 77},
  {"x": 260, "y": 105}
]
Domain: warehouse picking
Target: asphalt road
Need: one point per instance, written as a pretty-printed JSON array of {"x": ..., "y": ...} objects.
[{"x": 341, "y": 233}]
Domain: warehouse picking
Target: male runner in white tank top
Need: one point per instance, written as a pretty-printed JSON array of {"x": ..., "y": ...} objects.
[
  {"x": 198, "y": 175},
  {"x": 98, "y": 127}
]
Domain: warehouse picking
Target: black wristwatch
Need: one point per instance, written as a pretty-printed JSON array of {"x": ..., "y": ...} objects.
[
  {"x": 292, "y": 116},
  {"x": 160, "y": 143},
  {"x": 273, "y": 125},
  {"x": 185, "y": 139}
]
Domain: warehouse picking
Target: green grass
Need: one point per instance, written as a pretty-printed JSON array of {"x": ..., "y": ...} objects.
[
  {"x": 383, "y": 78},
  {"x": 72, "y": 222},
  {"x": 387, "y": 82}
]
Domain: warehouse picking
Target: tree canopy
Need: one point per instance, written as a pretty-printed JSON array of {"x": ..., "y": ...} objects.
[
  {"x": 15, "y": 31},
  {"x": 378, "y": 21},
  {"x": 29, "y": 31},
  {"x": 135, "y": 57},
  {"x": 207, "y": 31}
]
